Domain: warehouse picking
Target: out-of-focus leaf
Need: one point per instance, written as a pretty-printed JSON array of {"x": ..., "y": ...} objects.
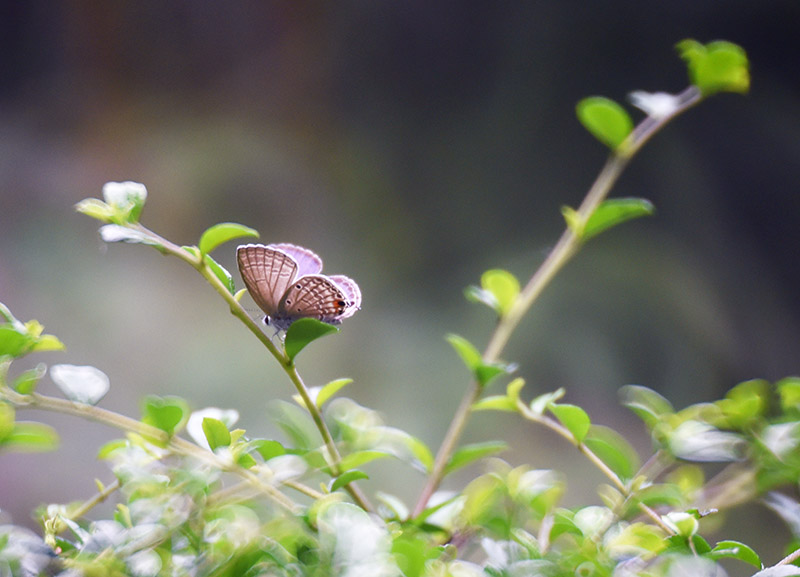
[
  {"x": 165, "y": 413},
  {"x": 347, "y": 478},
  {"x": 471, "y": 453},
  {"x": 613, "y": 450},
  {"x": 717, "y": 66},
  {"x": 503, "y": 286},
  {"x": 30, "y": 437},
  {"x": 466, "y": 350},
  {"x": 605, "y": 119},
  {"x": 573, "y": 418},
  {"x": 735, "y": 550},
  {"x": 646, "y": 403},
  {"x": 615, "y": 211},
  {"x": 216, "y": 432}
]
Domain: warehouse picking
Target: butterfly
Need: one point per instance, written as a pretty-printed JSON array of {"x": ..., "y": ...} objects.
[{"x": 285, "y": 282}]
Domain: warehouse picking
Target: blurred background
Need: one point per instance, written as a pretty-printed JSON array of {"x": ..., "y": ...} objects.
[{"x": 413, "y": 145}]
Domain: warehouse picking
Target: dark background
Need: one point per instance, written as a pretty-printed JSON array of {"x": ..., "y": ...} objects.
[{"x": 413, "y": 145}]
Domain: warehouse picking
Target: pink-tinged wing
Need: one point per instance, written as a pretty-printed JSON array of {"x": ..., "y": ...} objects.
[
  {"x": 267, "y": 273},
  {"x": 307, "y": 261},
  {"x": 352, "y": 293},
  {"x": 313, "y": 296}
]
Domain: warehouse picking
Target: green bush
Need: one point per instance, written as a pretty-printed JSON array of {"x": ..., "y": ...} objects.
[{"x": 196, "y": 496}]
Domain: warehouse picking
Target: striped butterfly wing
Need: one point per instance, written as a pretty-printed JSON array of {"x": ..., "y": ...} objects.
[
  {"x": 307, "y": 261},
  {"x": 267, "y": 273},
  {"x": 352, "y": 294},
  {"x": 315, "y": 296}
]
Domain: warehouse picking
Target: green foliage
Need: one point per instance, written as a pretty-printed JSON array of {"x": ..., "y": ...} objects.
[
  {"x": 195, "y": 495},
  {"x": 605, "y": 119}
]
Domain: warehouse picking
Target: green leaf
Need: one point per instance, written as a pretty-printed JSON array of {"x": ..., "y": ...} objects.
[
  {"x": 613, "y": 450},
  {"x": 13, "y": 342},
  {"x": 540, "y": 404},
  {"x": 7, "y": 420},
  {"x": 165, "y": 413},
  {"x": 605, "y": 119},
  {"x": 217, "y": 434},
  {"x": 735, "y": 550},
  {"x": 716, "y": 67},
  {"x": 47, "y": 343},
  {"x": 95, "y": 208},
  {"x": 503, "y": 286},
  {"x": 646, "y": 403},
  {"x": 347, "y": 478},
  {"x": 126, "y": 200},
  {"x": 574, "y": 221},
  {"x": 81, "y": 384},
  {"x": 488, "y": 371},
  {"x": 471, "y": 453},
  {"x": 615, "y": 211},
  {"x": 495, "y": 403},
  {"x": 744, "y": 404},
  {"x": 573, "y": 418},
  {"x": 296, "y": 424},
  {"x": 268, "y": 449},
  {"x": 304, "y": 331},
  {"x": 358, "y": 458},
  {"x": 221, "y": 273},
  {"x": 466, "y": 350},
  {"x": 29, "y": 437},
  {"x": 789, "y": 393},
  {"x": 327, "y": 391},
  {"x": 222, "y": 233}
]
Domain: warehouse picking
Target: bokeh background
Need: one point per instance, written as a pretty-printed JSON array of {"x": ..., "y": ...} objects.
[{"x": 413, "y": 145}]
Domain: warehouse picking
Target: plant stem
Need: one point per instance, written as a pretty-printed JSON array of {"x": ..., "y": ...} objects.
[{"x": 567, "y": 246}]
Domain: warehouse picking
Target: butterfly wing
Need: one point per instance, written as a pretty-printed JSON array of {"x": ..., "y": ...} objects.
[
  {"x": 352, "y": 294},
  {"x": 315, "y": 296},
  {"x": 307, "y": 261},
  {"x": 267, "y": 273}
]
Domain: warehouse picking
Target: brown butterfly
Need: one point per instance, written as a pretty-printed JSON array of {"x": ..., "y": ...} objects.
[{"x": 285, "y": 281}]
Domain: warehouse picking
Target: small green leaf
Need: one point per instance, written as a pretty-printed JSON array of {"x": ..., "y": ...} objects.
[
  {"x": 221, "y": 273},
  {"x": 514, "y": 387},
  {"x": 304, "y": 331},
  {"x": 347, "y": 478},
  {"x": 327, "y": 391},
  {"x": 573, "y": 418},
  {"x": 216, "y": 433},
  {"x": 471, "y": 453},
  {"x": 613, "y": 450},
  {"x": 466, "y": 350},
  {"x": 503, "y": 286},
  {"x": 165, "y": 413},
  {"x": 495, "y": 403},
  {"x": 222, "y": 233},
  {"x": 7, "y": 420},
  {"x": 126, "y": 199},
  {"x": 95, "y": 208},
  {"x": 47, "y": 343},
  {"x": 359, "y": 458},
  {"x": 646, "y": 403},
  {"x": 735, "y": 550},
  {"x": 716, "y": 67},
  {"x": 29, "y": 437},
  {"x": 296, "y": 424},
  {"x": 605, "y": 119},
  {"x": 574, "y": 221},
  {"x": 13, "y": 342},
  {"x": 615, "y": 211},
  {"x": 789, "y": 393},
  {"x": 488, "y": 371},
  {"x": 539, "y": 404},
  {"x": 268, "y": 449}
]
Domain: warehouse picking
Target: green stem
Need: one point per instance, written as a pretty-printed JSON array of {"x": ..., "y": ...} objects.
[{"x": 566, "y": 247}]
